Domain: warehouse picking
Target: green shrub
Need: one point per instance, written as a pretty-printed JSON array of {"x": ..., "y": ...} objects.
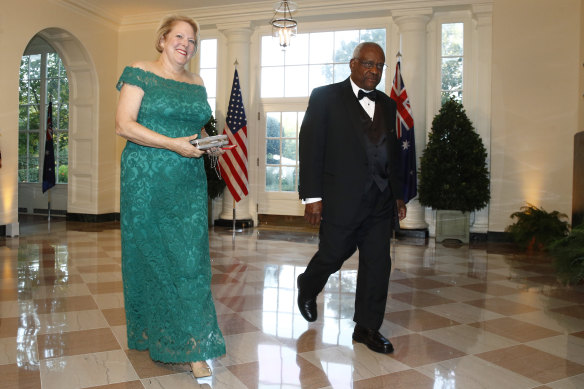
[
  {"x": 536, "y": 228},
  {"x": 568, "y": 253},
  {"x": 453, "y": 168}
]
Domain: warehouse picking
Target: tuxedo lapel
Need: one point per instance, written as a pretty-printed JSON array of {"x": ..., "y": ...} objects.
[{"x": 353, "y": 110}]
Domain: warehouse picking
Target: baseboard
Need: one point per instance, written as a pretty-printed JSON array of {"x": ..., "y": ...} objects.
[{"x": 89, "y": 218}]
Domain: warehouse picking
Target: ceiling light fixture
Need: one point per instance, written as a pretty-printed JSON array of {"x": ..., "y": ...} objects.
[{"x": 283, "y": 25}]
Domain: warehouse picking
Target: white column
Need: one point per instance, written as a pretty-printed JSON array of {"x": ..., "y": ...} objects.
[
  {"x": 238, "y": 46},
  {"x": 483, "y": 15},
  {"x": 412, "y": 29}
]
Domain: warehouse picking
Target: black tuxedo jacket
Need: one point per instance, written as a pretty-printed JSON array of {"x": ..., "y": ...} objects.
[{"x": 333, "y": 160}]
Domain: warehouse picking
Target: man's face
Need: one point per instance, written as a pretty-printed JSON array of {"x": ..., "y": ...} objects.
[{"x": 366, "y": 70}]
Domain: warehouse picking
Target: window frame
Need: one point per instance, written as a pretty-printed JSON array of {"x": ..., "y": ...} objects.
[{"x": 44, "y": 49}]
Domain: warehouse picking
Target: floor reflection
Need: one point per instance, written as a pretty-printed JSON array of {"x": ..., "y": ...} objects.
[{"x": 459, "y": 316}]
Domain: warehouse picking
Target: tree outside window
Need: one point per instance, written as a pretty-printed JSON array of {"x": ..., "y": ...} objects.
[{"x": 43, "y": 78}]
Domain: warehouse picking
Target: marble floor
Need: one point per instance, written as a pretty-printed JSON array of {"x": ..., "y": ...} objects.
[{"x": 458, "y": 316}]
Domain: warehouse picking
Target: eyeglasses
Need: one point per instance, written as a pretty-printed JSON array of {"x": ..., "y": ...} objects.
[{"x": 370, "y": 64}]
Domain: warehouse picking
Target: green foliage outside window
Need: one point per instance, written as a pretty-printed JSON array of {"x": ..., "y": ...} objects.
[{"x": 42, "y": 73}]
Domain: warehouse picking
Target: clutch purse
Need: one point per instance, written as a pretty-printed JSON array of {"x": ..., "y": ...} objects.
[{"x": 210, "y": 142}]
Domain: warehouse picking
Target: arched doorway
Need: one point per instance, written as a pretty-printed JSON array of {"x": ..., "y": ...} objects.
[{"x": 79, "y": 192}]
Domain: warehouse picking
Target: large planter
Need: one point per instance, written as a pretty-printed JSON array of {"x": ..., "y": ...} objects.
[{"x": 452, "y": 225}]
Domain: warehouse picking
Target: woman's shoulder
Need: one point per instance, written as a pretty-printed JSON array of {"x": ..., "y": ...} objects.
[{"x": 194, "y": 78}]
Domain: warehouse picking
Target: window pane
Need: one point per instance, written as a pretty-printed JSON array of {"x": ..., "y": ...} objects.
[
  {"x": 34, "y": 118},
  {"x": 452, "y": 39},
  {"x": 62, "y": 153},
  {"x": 273, "y": 151},
  {"x": 64, "y": 91},
  {"x": 64, "y": 117},
  {"x": 321, "y": 48},
  {"x": 23, "y": 92},
  {"x": 288, "y": 152},
  {"x": 35, "y": 66},
  {"x": 22, "y": 156},
  {"x": 288, "y": 179},
  {"x": 374, "y": 35},
  {"x": 319, "y": 75},
  {"x": 345, "y": 42},
  {"x": 273, "y": 82},
  {"x": 296, "y": 81},
  {"x": 451, "y": 73},
  {"x": 23, "y": 118},
  {"x": 446, "y": 95},
  {"x": 52, "y": 65},
  {"x": 209, "y": 76},
  {"x": 297, "y": 53},
  {"x": 272, "y": 178},
  {"x": 52, "y": 90},
  {"x": 33, "y": 161},
  {"x": 273, "y": 125},
  {"x": 342, "y": 71},
  {"x": 272, "y": 53},
  {"x": 289, "y": 124},
  {"x": 208, "y": 53},
  {"x": 35, "y": 91}
]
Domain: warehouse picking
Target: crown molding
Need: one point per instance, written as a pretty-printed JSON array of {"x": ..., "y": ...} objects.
[
  {"x": 88, "y": 9},
  {"x": 259, "y": 12}
]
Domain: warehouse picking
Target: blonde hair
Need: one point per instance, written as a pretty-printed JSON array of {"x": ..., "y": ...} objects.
[{"x": 167, "y": 24}]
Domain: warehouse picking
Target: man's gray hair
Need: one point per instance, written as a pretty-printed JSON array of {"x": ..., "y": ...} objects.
[{"x": 361, "y": 45}]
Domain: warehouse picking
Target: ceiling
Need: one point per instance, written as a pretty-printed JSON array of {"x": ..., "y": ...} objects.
[{"x": 120, "y": 9}]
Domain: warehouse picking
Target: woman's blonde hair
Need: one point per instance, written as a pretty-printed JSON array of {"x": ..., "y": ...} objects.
[{"x": 167, "y": 24}]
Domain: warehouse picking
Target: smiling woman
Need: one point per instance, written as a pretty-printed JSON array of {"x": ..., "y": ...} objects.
[{"x": 163, "y": 205}]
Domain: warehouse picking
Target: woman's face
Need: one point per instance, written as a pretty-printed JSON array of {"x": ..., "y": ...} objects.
[{"x": 179, "y": 43}]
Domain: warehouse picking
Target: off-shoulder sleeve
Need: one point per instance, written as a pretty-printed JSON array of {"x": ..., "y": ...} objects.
[{"x": 133, "y": 76}]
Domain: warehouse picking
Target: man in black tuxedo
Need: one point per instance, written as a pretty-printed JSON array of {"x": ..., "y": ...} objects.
[{"x": 351, "y": 184}]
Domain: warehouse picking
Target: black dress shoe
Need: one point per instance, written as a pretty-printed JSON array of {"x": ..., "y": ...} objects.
[
  {"x": 307, "y": 306},
  {"x": 372, "y": 339}
]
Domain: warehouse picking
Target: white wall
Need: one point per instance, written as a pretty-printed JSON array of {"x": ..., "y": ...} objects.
[{"x": 535, "y": 98}]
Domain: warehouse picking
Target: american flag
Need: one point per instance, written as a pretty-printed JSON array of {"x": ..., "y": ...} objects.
[
  {"x": 405, "y": 134},
  {"x": 49, "y": 161},
  {"x": 233, "y": 163}
]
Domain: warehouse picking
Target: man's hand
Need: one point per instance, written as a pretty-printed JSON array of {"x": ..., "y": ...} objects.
[
  {"x": 401, "y": 209},
  {"x": 313, "y": 212}
]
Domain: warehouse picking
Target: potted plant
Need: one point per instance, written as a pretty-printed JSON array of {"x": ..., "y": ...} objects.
[
  {"x": 568, "y": 253},
  {"x": 535, "y": 228},
  {"x": 215, "y": 183},
  {"x": 453, "y": 175}
]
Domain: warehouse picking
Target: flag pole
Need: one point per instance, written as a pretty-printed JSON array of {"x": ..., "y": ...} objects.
[{"x": 49, "y": 206}]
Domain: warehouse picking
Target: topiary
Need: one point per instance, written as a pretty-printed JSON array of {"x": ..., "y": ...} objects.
[{"x": 453, "y": 171}]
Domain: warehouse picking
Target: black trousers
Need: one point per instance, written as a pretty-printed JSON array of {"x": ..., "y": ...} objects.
[{"x": 371, "y": 233}]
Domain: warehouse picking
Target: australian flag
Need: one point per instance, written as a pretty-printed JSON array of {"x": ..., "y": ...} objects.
[
  {"x": 405, "y": 135},
  {"x": 49, "y": 162}
]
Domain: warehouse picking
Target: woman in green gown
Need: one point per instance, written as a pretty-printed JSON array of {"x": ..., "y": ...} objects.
[{"x": 163, "y": 205}]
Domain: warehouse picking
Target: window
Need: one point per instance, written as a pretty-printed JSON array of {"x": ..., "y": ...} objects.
[
  {"x": 312, "y": 60},
  {"x": 282, "y": 150},
  {"x": 452, "y": 53},
  {"x": 208, "y": 70},
  {"x": 42, "y": 79}
]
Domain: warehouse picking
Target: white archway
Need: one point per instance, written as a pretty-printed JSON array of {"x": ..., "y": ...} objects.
[{"x": 83, "y": 120}]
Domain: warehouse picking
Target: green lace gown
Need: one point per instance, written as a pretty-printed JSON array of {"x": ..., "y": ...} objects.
[{"x": 165, "y": 244}]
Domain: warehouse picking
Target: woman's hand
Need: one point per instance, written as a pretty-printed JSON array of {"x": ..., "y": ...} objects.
[{"x": 183, "y": 146}]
